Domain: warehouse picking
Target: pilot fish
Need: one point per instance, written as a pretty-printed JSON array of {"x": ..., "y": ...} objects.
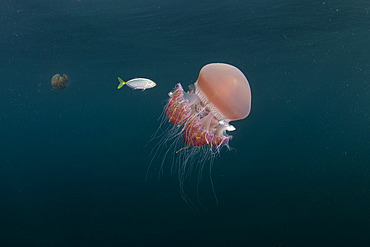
[{"x": 137, "y": 83}]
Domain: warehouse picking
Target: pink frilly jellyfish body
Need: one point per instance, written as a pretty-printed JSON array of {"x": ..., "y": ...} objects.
[
  {"x": 201, "y": 117},
  {"x": 220, "y": 95}
]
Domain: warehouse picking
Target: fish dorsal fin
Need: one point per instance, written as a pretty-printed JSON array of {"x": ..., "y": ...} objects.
[{"x": 121, "y": 83}]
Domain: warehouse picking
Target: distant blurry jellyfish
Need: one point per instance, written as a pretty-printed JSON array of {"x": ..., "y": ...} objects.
[
  {"x": 202, "y": 115},
  {"x": 58, "y": 81}
]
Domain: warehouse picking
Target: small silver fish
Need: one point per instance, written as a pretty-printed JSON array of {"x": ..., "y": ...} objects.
[{"x": 137, "y": 83}]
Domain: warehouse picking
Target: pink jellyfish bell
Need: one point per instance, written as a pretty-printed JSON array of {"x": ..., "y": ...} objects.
[{"x": 220, "y": 95}]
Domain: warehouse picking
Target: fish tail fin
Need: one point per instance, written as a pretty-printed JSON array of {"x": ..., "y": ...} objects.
[{"x": 121, "y": 83}]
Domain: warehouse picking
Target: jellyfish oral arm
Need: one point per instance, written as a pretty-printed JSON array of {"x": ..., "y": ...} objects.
[{"x": 227, "y": 126}]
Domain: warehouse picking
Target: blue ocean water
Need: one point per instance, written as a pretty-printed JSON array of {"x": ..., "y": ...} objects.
[{"x": 73, "y": 163}]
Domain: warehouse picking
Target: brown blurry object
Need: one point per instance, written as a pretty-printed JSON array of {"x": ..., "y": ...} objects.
[{"x": 58, "y": 81}]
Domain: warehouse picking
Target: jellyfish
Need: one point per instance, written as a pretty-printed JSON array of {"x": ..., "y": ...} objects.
[
  {"x": 58, "y": 81},
  {"x": 220, "y": 95},
  {"x": 200, "y": 122}
]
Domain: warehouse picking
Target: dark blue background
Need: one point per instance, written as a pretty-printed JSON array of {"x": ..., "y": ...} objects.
[{"x": 73, "y": 162}]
